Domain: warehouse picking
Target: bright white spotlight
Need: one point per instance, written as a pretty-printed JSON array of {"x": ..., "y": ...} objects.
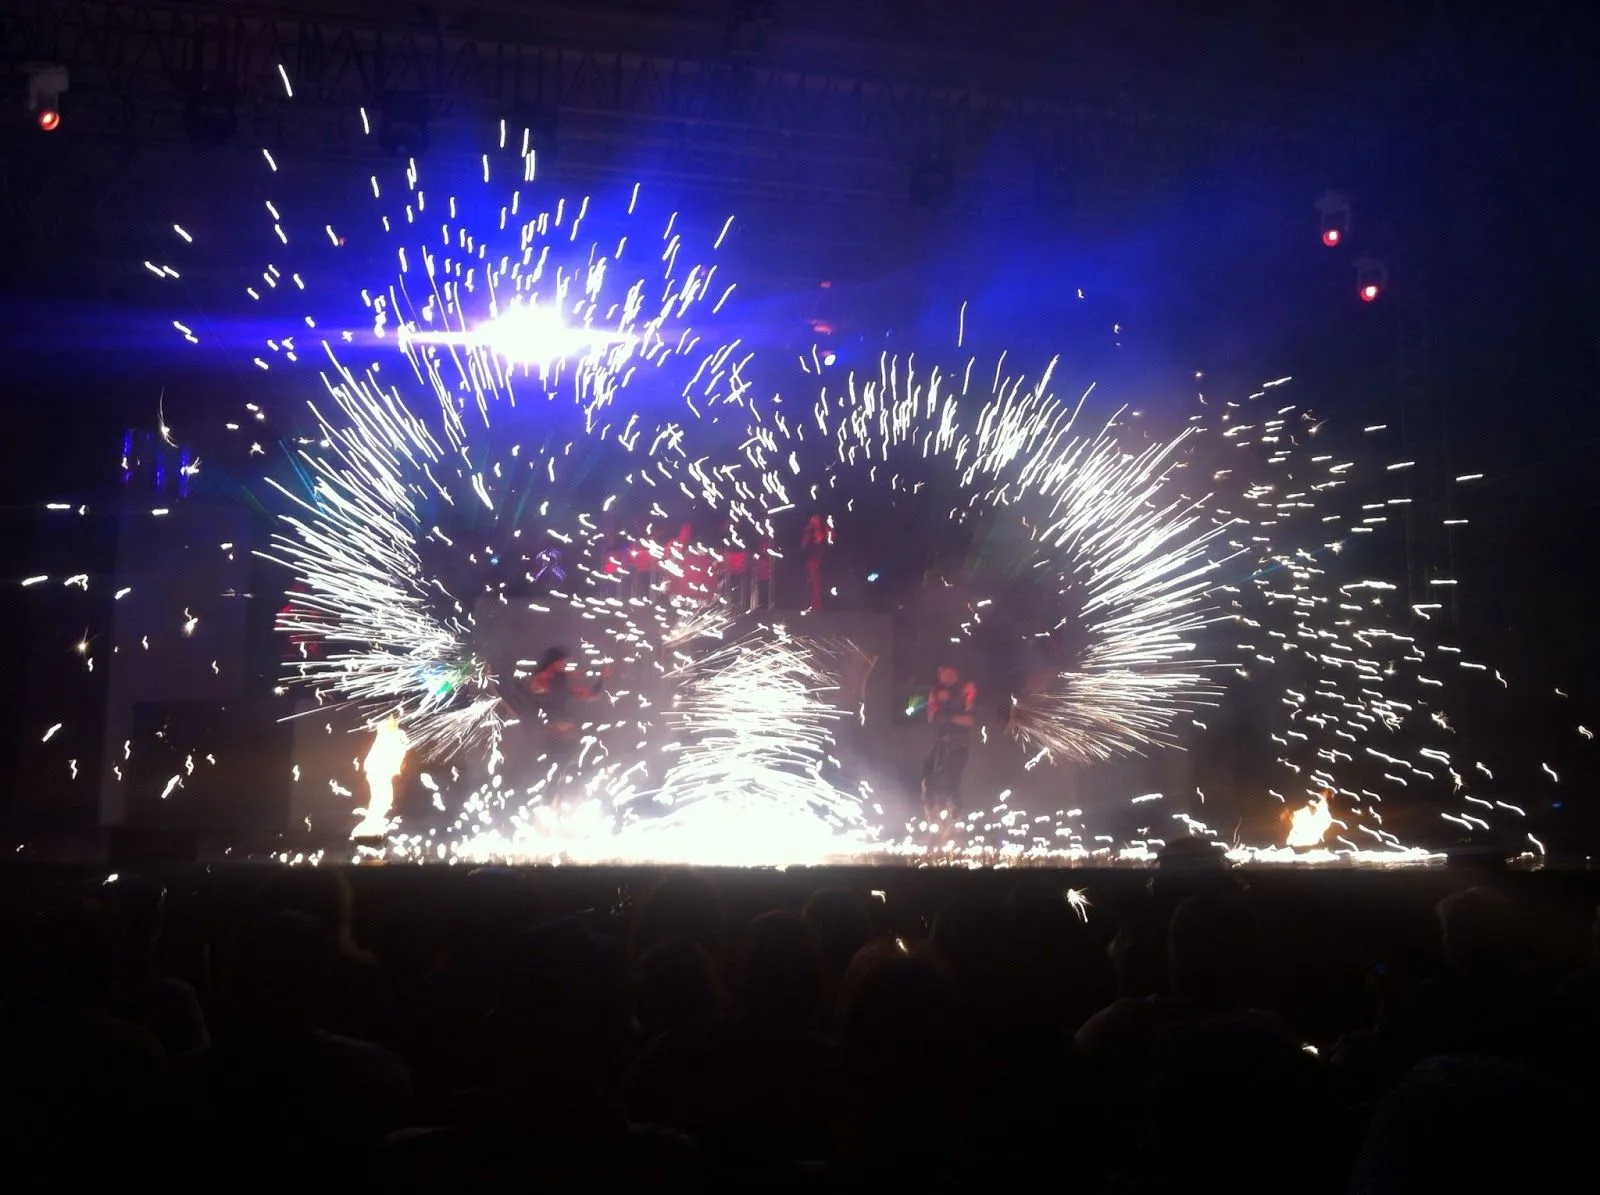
[{"x": 533, "y": 335}]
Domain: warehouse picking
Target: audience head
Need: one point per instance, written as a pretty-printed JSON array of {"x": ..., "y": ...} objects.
[
  {"x": 895, "y": 1002},
  {"x": 494, "y": 904},
  {"x": 843, "y": 923},
  {"x": 1238, "y": 1085},
  {"x": 1212, "y": 952},
  {"x": 1480, "y": 934},
  {"x": 321, "y": 893},
  {"x": 973, "y": 936},
  {"x": 1474, "y": 1124},
  {"x": 278, "y": 972},
  {"x": 1188, "y": 867},
  {"x": 563, "y": 1006},
  {"x": 684, "y": 904},
  {"x": 676, "y": 987},
  {"x": 781, "y": 978}
]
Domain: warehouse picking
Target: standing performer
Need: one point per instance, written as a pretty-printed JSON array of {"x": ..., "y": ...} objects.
[
  {"x": 950, "y": 707},
  {"x": 760, "y": 567},
  {"x": 815, "y": 542},
  {"x": 732, "y": 568},
  {"x": 554, "y": 690}
]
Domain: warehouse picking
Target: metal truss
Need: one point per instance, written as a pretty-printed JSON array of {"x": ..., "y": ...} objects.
[
  {"x": 132, "y": 63},
  {"x": 806, "y": 156}
]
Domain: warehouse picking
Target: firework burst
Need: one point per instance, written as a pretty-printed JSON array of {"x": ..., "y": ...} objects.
[
  {"x": 1102, "y": 520},
  {"x": 520, "y": 341},
  {"x": 755, "y": 723}
]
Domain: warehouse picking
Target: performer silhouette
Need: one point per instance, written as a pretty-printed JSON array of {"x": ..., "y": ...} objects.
[
  {"x": 814, "y": 543},
  {"x": 545, "y": 703},
  {"x": 950, "y": 713}
]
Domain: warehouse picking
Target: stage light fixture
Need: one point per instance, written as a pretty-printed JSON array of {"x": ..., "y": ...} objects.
[
  {"x": 404, "y": 128},
  {"x": 1333, "y": 215},
  {"x": 1372, "y": 276},
  {"x": 46, "y": 82}
]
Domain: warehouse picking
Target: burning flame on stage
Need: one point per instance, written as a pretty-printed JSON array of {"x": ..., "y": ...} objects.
[
  {"x": 385, "y": 760},
  {"x": 1310, "y": 824}
]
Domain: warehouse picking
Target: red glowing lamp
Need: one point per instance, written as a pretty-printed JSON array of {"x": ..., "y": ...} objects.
[
  {"x": 1372, "y": 275},
  {"x": 49, "y": 120},
  {"x": 1333, "y": 216}
]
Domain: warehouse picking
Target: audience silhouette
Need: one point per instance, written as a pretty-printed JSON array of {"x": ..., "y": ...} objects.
[{"x": 417, "y": 1030}]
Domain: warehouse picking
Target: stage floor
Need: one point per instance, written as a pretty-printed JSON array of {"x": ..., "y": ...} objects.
[{"x": 668, "y": 848}]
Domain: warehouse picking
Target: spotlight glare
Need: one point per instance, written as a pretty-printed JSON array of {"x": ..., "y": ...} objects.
[
  {"x": 1369, "y": 292},
  {"x": 1330, "y": 237},
  {"x": 530, "y": 334}
]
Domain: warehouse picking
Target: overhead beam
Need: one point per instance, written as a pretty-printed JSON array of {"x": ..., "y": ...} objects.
[
  {"x": 804, "y": 156},
  {"x": 132, "y": 63}
]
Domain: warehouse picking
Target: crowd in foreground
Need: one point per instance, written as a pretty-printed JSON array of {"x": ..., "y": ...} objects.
[{"x": 671, "y": 1046}]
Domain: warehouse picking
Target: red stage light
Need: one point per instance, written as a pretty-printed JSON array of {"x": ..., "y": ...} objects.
[
  {"x": 1369, "y": 292},
  {"x": 1330, "y": 237},
  {"x": 49, "y": 119}
]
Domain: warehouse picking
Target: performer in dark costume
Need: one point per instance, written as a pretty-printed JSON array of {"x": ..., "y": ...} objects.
[
  {"x": 950, "y": 707},
  {"x": 546, "y": 702},
  {"x": 555, "y": 690},
  {"x": 815, "y": 542}
]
